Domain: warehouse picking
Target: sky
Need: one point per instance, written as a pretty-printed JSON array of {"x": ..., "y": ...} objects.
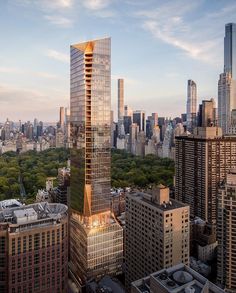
[{"x": 157, "y": 45}]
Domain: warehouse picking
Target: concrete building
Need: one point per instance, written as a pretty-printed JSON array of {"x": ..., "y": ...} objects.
[
  {"x": 191, "y": 105},
  {"x": 34, "y": 248},
  {"x": 177, "y": 279},
  {"x": 202, "y": 162},
  {"x": 62, "y": 118},
  {"x": 157, "y": 233},
  {"x": 62, "y": 190},
  {"x": 226, "y": 235},
  {"x": 96, "y": 238}
]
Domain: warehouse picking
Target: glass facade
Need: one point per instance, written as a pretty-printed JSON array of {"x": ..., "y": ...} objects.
[
  {"x": 90, "y": 126},
  {"x": 230, "y": 49},
  {"x": 96, "y": 238}
]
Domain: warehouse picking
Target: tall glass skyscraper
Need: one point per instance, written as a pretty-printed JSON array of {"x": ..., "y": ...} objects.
[
  {"x": 230, "y": 49},
  {"x": 96, "y": 239},
  {"x": 227, "y": 80},
  {"x": 191, "y": 105}
]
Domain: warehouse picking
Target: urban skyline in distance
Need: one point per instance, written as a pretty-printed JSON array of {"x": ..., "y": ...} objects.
[{"x": 34, "y": 79}]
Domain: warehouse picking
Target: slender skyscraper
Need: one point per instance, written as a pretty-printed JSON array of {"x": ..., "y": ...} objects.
[
  {"x": 96, "y": 242},
  {"x": 120, "y": 99},
  {"x": 191, "y": 105},
  {"x": 62, "y": 118},
  {"x": 227, "y": 80},
  {"x": 230, "y": 49}
]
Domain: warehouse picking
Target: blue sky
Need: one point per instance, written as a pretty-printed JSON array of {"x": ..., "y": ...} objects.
[{"x": 156, "y": 46}]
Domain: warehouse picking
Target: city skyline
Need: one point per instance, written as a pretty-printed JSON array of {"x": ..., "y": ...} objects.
[{"x": 37, "y": 76}]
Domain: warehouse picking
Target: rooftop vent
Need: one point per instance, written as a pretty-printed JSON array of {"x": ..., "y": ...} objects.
[
  {"x": 171, "y": 284},
  {"x": 163, "y": 276},
  {"x": 182, "y": 277}
]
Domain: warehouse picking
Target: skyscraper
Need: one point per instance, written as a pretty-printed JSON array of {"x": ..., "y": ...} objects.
[
  {"x": 226, "y": 225},
  {"x": 230, "y": 49},
  {"x": 120, "y": 99},
  {"x": 207, "y": 114},
  {"x": 62, "y": 118},
  {"x": 96, "y": 238},
  {"x": 202, "y": 162},
  {"x": 140, "y": 120},
  {"x": 227, "y": 80},
  {"x": 191, "y": 105}
]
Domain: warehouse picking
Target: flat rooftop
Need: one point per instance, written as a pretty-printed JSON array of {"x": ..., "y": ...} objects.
[
  {"x": 148, "y": 198},
  {"x": 177, "y": 279},
  {"x": 34, "y": 213}
]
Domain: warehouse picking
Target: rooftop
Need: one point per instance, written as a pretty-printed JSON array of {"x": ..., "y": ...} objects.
[
  {"x": 33, "y": 214},
  {"x": 177, "y": 279}
]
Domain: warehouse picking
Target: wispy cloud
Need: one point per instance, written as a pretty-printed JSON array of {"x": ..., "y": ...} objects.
[
  {"x": 59, "y": 21},
  {"x": 58, "y": 56},
  {"x": 197, "y": 38},
  {"x": 96, "y": 4}
]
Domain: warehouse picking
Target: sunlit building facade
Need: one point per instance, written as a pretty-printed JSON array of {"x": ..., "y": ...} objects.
[{"x": 96, "y": 244}]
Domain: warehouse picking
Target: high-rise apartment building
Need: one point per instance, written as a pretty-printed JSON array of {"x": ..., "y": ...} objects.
[
  {"x": 120, "y": 99},
  {"x": 96, "y": 238},
  {"x": 226, "y": 233},
  {"x": 34, "y": 248},
  {"x": 227, "y": 80},
  {"x": 140, "y": 120},
  {"x": 157, "y": 233},
  {"x": 191, "y": 105},
  {"x": 202, "y": 162}
]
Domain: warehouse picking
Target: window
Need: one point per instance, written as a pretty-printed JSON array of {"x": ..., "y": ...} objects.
[
  {"x": 36, "y": 241},
  {"x": 2, "y": 244},
  {"x": 24, "y": 244},
  {"x": 19, "y": 245},
  {"x": 13, "y": 246}
]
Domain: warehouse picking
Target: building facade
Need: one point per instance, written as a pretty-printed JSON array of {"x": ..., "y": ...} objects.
[
  {"x": 96, "y": 242},
  {"x": 202, "y": 162},
  {"x": 156, "y": 234},
  {"x": 226, "y": 225},
  {"x": 191, "y": 105},
  {"x": 121, "y": 108},
  {"x": 34, "y": 249}
]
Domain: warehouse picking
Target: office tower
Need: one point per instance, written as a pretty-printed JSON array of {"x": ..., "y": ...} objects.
[
  {"x": 35, "y": 126},
  {"x": 96, "y": 238},
  {"x": 139, "y": 119},
  {"x": 127, "y": 123},
  {"x": 207, "y": 114},
  {"x": 34, "y": 248},
  {"x": 227, "y": 80},
  {"x": 202, "y": 162},
  {"x": 184, "y": 117},
  {"x": 226, "y": 225},
  {"x": 120, "y": 99},
  {"x": 168, "y": 141},
  {"x": 178, "y": 279},
  {"x": 62, "y": 118},
  {"x": 191, "y": 105},
  {"x": 60, "y": 138},
  {"x": 133, "y": 131},
  {"x": 155, "y": 119},
  {"x": 40, "y": 129},
  {"x": 230, "y": 49},
  {"x": 156, "y": 234},
  {"x": 226, "y": 100}
]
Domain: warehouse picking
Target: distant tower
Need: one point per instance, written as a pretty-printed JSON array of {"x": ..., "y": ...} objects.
[
  {"x": 62, "y": 118},
  {"x": 120, "y": 99},
  {"x": 191, "y": 105},
  {"x": 227, "y": 80}
]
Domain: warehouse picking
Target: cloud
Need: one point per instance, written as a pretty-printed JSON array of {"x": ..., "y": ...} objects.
[
  {"x": 178, "y": 24},
  {"x": 10, "y": 70},
  {"x": 59, "y": 21},
  {"x": 96, "y": 4},
  {"x": 58, "y": 56}
]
